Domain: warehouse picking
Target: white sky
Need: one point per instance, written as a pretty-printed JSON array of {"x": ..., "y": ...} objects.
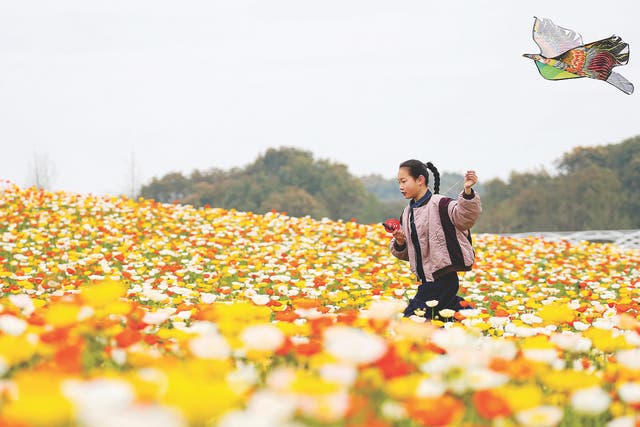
[{"x": 201, "y": 84}]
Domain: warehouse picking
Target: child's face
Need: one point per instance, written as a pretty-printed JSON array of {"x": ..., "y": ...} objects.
[{"x": 409, "y": 187}]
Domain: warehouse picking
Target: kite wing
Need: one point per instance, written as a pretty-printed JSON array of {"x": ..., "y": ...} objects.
[{"x": 552, "y": 39}]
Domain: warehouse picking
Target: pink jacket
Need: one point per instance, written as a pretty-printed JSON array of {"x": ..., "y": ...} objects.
[{"x": 443, "y": 235}]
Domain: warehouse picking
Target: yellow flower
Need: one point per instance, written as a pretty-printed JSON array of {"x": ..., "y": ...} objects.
[
  {"x": 16, "y": 349},
  {"x": 536, "y": 342},
  {"x": 201, "y": 399},
  {"x": 310, "y": 384},
  {"x": 520, "y": 397},
  {"x": 401, "y": 388},
  {"x": 103, "y": 293},
  {"x": 556, "y": 313},
  {"x": 62, "y": 314},
  {"x": 569, "y": 380},
  {"x": 40, "y": 402},
  {"x": 604, "y": 340}
]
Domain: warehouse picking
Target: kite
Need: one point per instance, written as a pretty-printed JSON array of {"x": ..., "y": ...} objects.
[{"x": 564, "y": 56}]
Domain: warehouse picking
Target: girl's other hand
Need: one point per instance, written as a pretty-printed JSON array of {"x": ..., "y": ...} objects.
[{"x": 399, "y": 236}]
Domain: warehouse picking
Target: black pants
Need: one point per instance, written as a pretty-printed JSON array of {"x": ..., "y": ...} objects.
[{"x": 443, "y": 290}]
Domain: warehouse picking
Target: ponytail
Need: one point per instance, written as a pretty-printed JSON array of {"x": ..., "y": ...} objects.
[{"x": 436, "y": 177}]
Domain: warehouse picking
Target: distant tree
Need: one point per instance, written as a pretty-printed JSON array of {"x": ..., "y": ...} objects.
[
  {"x": 284, "y": 179},
  {"x": 295, "y": 202},
  {"x": 132, "y": 176},
  {"x": 42, "y": 172},
  {"x": 623, "y": 160},
  {"x": 171, "y": 187}
]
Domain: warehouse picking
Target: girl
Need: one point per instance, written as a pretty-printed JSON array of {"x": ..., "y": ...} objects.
[{"x": 434, "y": 236}]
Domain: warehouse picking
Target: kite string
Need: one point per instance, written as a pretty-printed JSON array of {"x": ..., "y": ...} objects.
[{"x": 456, "y": 184}]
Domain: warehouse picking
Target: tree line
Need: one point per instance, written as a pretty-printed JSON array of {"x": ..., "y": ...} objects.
[
  {"x": 595, "y": 188},
  {"x": 284, "y": 179}
]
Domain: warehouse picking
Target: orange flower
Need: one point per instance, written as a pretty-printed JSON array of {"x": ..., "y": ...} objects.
[
  {"x": 392, "y": 365},
  {"x": 490, "y": 405},
  {"x": 309, "y": 349},
  {"x": 128, "y": 337},
  {"x": 434, "y": 412},
  {"x": 69, "y": 358}
]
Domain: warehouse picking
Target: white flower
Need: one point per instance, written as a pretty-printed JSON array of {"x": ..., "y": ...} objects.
[
  {"x": 581, "y": 326},
  {"x": 328, "y": 407},
  {"x": 154, "y": 295},
  {"x": 480, "y": 379},
  {"x": 628, "y": 421},
  {"x": 432, "y": 303},
  {"x": 23, "y": 302},
  {"x": 530, "y": 318},
  {"x": 11, "y": 325},
  {"x": 629, "y": 358},
  {"x": 497, "y": 348},
  {"x": 272, "y": 406},
  {"x": 385, "y": 310},
  {"x": 260, "y": 299},
  {"x": 207, "y": 298},
  {"x": 453, "y": 339},
  {"x": 430, "y": 388},
  {"x": 134, "y": 416},
  {"x": 547, "y": 355},
  {"x": 438, "y": 365},
  {"x": 262, "y": 337},
  {"x": 353, "y": 345},
  {"x": 497, "y": 322},
  {"x": 630, "y": 392},
  {"x": 393, "y": 410},
  {"x": 99, "y": 395},
  {"x": 470, "y": 312},
  {"x": 541, "y": 416},
  {"x": 156, "y": 317},
  {"x": 210, "y": 346},
  {"x": 243, "y": 378},
  {"x": 85, "y": 313},
  {"x": 339, "y": 373},
  {"x": 281, "y": 378},
  {"x": 590, "y": 401},
  {"x": 417, "y": 319},
  {"x": 447, "y": 312},
  {"x": 606, "y": 324},
  {"x": 571, "y": 342}
]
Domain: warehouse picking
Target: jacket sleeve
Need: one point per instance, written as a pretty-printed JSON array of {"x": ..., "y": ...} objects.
[
  {"x": 399, "y": 252},
  {"x": 466, "y": 210}
]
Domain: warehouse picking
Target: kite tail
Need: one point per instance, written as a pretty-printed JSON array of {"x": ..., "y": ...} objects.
[{"x": 620, "y": 82}]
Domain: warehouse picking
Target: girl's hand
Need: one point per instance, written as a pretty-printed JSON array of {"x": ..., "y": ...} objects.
[
  {"x": 470, "y": 179},
  {"x": 399, "y": 236}
]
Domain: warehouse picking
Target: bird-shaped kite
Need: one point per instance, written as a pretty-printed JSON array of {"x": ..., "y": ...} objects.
[{"x": 564, "y": 56}]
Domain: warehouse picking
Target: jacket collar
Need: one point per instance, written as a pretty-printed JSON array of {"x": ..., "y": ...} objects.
[{"x": 422, "y": 201}]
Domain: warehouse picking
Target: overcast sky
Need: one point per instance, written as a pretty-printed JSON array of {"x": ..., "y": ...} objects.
[{"x": 187, "y": 85}]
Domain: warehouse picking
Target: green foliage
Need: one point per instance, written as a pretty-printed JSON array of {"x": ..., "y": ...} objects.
[
  {"x": 597, "y": 188},
  {"x": 285, "y": 180}
]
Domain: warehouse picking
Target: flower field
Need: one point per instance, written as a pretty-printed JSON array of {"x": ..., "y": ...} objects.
[{"x": 116, "y": 312}]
